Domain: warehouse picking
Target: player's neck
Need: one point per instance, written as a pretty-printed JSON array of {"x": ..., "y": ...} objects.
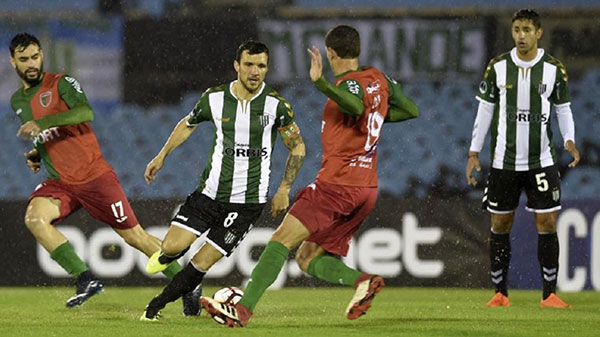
[
  {"x": 340, "y": 66},
  {"x": 242, "y": 93},
  {"x": 529, "y": 55}
]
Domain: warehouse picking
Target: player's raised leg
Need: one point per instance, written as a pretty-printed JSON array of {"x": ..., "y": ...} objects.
[
  {"x": 312, "y": 259},
  {"x": 41, "y": 213},
  {"x": 185, "y": 282}
]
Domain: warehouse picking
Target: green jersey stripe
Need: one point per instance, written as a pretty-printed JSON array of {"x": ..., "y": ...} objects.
[
  {"x": 512, "y": 76},
  {"x": 550, "y": 73},
  {"x": 535, "y": 122}
]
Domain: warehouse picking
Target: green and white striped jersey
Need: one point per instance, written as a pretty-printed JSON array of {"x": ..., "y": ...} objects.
[
  {"x": 523, "y": 93},
  {"x": 239, "y": 164}
]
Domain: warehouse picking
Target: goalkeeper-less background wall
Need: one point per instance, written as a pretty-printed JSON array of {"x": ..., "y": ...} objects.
[{"x": 143, "y": 66}]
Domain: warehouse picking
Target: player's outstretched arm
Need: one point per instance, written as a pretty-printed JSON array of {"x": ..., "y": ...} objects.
[
  {"x": 401, "y": 107},
  {"x": 180, "y": 134},
  {"x": 349, "y": 104},
  {"x": 295, "y": 144}
]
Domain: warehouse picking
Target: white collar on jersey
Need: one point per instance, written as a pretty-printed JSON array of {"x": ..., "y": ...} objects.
[{"x": 526, "y": 64}]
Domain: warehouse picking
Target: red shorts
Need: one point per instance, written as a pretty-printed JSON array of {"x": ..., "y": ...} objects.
[
  {"x": 102, "y": 197},
  {"x": 332, "y": 213}
]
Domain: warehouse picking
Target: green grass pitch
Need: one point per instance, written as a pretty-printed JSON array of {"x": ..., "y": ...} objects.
[{"x": 311, "y": 312}]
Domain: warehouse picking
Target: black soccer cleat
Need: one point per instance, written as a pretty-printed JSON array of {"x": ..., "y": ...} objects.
[
  {"x": 191, "y": 302},
  {"x": 90, "y": 289}
]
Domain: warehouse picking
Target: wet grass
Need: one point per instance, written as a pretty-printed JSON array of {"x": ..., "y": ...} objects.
[{"x": 40, "y": 311}]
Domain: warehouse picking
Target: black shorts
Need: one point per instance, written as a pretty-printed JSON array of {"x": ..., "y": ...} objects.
[
  {"x": 227, "y": 223},
  {"x": 542, "y": 187}
]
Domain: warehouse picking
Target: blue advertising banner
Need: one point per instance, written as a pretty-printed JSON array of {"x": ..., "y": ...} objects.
[{"x": 578, "y": 231}]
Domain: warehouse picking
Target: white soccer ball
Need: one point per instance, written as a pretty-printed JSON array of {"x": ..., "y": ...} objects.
[{"x": 228, "y": 295}]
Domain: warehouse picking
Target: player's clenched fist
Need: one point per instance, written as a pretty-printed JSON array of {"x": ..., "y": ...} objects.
[
  {"x": 32, "y": 159},
  {"x": 152, "y": 168}
]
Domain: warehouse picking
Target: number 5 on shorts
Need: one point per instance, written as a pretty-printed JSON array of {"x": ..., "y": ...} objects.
[
  {"x": 230, "y": 219},
  {"x": 541, "y": 181}
]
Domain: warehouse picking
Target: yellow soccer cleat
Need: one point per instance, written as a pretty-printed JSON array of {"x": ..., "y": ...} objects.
[{"x": 154, "y": 266}]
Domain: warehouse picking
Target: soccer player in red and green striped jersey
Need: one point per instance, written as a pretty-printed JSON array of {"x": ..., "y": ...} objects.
[
  {"x": 55, "y": 115},
  {"x": 515, "y": 97}
]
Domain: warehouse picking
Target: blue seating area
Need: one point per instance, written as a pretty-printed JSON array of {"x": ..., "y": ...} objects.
[{"x": 416, "y": 158}]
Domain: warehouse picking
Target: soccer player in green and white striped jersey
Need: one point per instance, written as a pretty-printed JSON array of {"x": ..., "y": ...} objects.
[
  {"x": 247, "y": 115},
  {"x": 516, "y": 97}
]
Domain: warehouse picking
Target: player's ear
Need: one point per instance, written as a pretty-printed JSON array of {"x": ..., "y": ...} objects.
[
  {"x": 13, "y": 62},
  {"x": 539, "y": 33},
  {"x": 331, "y": 53},
  {"x": 236, "y": 66}
]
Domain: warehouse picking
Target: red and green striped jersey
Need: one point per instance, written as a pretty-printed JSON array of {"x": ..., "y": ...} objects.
[{"x": 67, "y": 144}]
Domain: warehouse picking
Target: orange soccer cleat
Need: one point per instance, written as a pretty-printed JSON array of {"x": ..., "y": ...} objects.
[
  {"x": 553, "y": 301},
  {"x": 499, "y": 300},
  {"x": 366, "y": 287}
]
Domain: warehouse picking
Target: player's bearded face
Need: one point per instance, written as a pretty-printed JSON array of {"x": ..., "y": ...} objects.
[
  {"x": 29, "y": 64},
  {"x": 252, "y": 70},
  {"x": 525, "y": 35}
]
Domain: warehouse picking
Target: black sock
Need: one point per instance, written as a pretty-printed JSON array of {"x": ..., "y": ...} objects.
[
  {"x": 184, "y": 282},
  {"x": 83, "y": 279},
  {"x": 500, "y": 260},
  {"x": 548, "y": 257},
  {"x": 166, "y": 259}
]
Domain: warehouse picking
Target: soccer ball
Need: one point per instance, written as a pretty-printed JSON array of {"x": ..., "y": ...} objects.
[{"x": 228, "y": 295}]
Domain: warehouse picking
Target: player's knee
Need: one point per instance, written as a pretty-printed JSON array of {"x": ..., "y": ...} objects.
[
  {"x": 34, "y": 221},
  {"x": 171, "y": 247},
  {"x": 546, "y": 225},
  {"x": 303, "y": 261}
]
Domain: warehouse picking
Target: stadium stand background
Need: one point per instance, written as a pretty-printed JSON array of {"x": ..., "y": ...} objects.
[{"x": 417, "y": 159}]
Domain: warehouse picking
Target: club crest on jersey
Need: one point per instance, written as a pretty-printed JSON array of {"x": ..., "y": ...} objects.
[
  {"x": 556, "y": 195},
  {"x": 229, "y": 238},
  {"x": 46, "y": 98},
  {"x": 542, "y": 88},
  {"x": 263, "y": 120}
]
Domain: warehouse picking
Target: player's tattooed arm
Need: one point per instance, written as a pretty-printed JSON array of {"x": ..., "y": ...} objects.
[
  {"x": 295, "y": 145},
  {"x": 294, "y": 161}
]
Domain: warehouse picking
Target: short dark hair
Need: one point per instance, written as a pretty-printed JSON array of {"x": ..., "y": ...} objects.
[
  {"x": 344, "y": 40},
  {"x": 528, "y": 14},
  {"x": 253, "y": 47},
  {"x": 23, "y": 40}
]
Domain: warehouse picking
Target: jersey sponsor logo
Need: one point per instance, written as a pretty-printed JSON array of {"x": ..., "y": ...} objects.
[
  {"x": 74, "y": 83},
  {"x": 524, "y": 116},
  {"x": 46, "y": 136},
  {"x": 244, "y": 151},
  {"x": 46, "y": 98},
  {"x": 18, "y": 112}
]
